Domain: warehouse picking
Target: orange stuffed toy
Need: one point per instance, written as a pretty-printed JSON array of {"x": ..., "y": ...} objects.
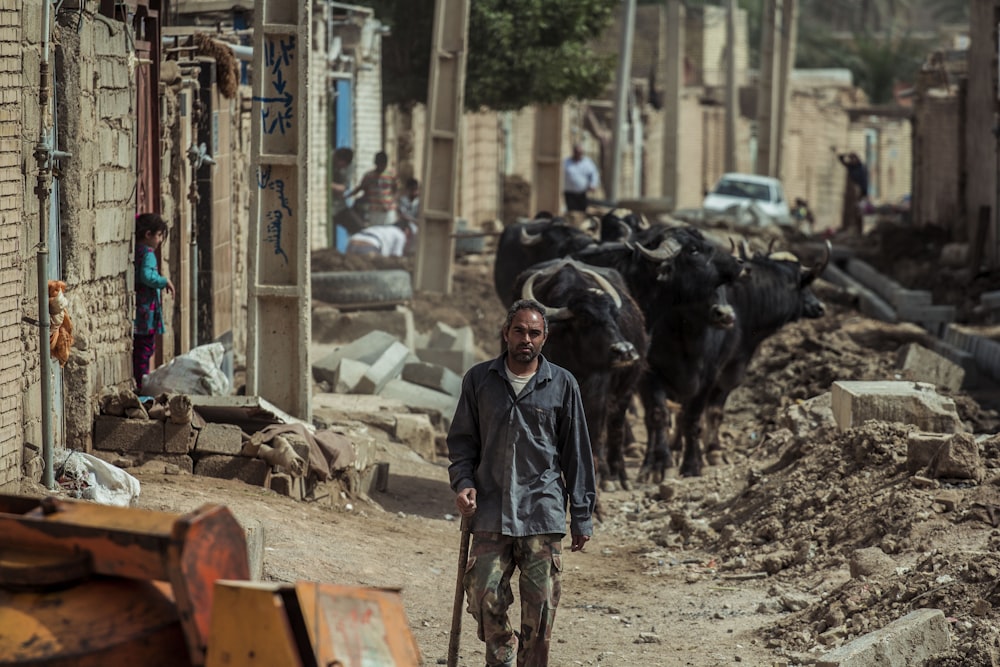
[{"x": 61, "y": 331}]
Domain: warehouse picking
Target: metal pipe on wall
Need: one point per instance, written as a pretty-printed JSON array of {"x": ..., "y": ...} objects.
[
  {"x": 43, "y": 187},
  {"x": 193, "y": 197}
]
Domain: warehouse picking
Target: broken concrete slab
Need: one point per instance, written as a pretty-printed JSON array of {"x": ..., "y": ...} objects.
[
  {"x": 417, "y": 397},
  {"x": 433, "y": 376},
  {"x": 251, "y": 471},
  {"x": 366, "y": 349},
  {"x": 919, "y": 363},
  {"x": 349, "y": 374},
  {"x": 369, "y": 409},
  {"x": 247, "y": 412},
  {"x": 253, "y": 529},
  {"x": 444, "y": 337},
  {"x": 226, "y": 439},
  {"x": 916, "y": 403},
  {"x": 331, "y": 325},
  {"x": 910, "y": 640},
  {"x": 921, "y": 448},
  {"x": 870, "y": 303},
  {"x": 128, "y": 435},
  {"x": 387, "y": 367},
  {"x": 418, "y": 433},
  {"x": 458, "y": 361},
  {"x": 803, "y": 419}
]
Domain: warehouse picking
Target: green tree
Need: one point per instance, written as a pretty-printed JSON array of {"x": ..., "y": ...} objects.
[{"x": 521, "y": 52}]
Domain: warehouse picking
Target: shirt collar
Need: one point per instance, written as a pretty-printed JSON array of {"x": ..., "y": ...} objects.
[{"x": 544, "y": 371}]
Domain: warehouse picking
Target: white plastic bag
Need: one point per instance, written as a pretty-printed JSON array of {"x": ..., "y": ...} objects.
[
  {"x": 197, "y": 372},
  {"x": 86, "y": 476}
]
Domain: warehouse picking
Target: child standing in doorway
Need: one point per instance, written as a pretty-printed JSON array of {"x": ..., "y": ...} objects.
[{"x": 150, "y": 230}]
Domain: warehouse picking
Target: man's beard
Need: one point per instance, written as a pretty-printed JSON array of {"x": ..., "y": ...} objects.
[{"x": 524, "y": 356}]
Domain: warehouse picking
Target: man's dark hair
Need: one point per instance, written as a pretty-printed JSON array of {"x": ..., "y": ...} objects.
[
  {"x": 412, "y": 183},
  {"x": 381, "y": 158},
  {"x": 146, "y": 223},
  {"x": 523, "y": 304}
]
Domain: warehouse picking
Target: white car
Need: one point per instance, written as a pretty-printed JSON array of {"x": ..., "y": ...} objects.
[{"x": 752, "y": 199}]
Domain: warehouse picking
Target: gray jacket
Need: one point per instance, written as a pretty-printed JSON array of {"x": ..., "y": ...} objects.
[{"x": 528, "y": 456}]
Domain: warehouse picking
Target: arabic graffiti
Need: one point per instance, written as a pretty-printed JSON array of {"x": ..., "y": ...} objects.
[
  {"x": 277, "y": 111},
  {"x": 276, "y": 216}
]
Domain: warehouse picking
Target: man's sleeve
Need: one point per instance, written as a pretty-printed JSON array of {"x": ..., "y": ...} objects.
[
  {"x": 577, "y": 463},
  {"x": 464, "y": 439}
]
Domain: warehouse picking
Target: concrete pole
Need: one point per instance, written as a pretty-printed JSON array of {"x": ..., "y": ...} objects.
[
  {"x": 766, "y": 91},
  {"x": 672, "y": 61},
  {"x": 789, "y": 37},
  {"x": 732, "y": 108},
  {"x": 621, "y": 98}
]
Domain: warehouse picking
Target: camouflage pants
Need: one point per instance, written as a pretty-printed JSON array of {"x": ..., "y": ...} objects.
[{"x": 487, "y": 583}]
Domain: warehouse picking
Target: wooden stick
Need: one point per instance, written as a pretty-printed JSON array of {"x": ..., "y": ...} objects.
[{"x": 456, "y": 612}]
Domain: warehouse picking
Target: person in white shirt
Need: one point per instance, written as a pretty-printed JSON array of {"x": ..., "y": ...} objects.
[
  {"x": 580, "y": 178},
  {"x": 385, "y": 240}
]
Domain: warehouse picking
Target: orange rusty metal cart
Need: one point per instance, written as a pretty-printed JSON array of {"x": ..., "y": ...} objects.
[{"x": 87, "y": 585}]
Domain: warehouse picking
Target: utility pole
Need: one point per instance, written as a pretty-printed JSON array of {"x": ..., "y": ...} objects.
[
  {"x": 672, "y": 48},
  {"x": 729, "y": 163},
  {"x": 621, "y": 98},
  {"x": 789, "y": 37},
  {"x": 766, "y": 91}
]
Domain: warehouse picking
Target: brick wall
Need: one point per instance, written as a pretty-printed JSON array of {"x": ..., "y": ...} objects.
[
  {"x": 97, "y": 126},
  {"x": 368, "y": 113},
  {"x": 12, "y": 251}
]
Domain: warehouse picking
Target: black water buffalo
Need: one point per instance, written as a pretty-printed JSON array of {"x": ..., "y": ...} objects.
[
  {"x": 597, "y": 332},
  {"x": 618, "y": 226},
  {"x": 777, "y": 293},
  {"x": 523, "y": 245},
  {"x": 702, "y": 365}
]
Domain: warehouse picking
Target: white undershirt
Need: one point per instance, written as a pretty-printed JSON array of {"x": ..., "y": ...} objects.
[{"x": 517, "y": 382}]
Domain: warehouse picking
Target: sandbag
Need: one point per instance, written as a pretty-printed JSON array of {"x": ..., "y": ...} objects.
[{"x": 197, "y": 372}]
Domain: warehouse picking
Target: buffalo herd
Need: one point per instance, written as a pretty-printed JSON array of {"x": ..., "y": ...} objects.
[{"x": 660, "y": 311}]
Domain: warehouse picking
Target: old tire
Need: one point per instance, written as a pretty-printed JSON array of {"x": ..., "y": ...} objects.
[{"x": 362, "y": 288}]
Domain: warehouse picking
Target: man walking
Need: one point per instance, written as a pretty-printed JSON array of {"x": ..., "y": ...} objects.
[
  {"x": 520, "y": 455},
  {"x": 580, "y": 178}
]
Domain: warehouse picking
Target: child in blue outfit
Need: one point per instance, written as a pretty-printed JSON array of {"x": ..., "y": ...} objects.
[{"x": 150, "y": 230}]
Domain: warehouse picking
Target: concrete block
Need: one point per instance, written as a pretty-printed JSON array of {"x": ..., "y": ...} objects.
[
  {"x": 224, "y": 439},
  {"x": 349, "y": 374},
  {"x": 330, "y": 325},
  {"x": 923, "y": 365},
  {"x": 921, "y": 448},
  {"x": 902, "y": 298},
  {"x": 417, "y": 432},
  {"x": 910, "y": 640},
  {"x": 444, "y": 337},
  {"x": 870, "y": 303},
  {"x": 366, "y": 349},
  {"x": 178, "y": 438},
  {"x": 434, "y": 377},
  {"x": 128, "y": 435},
  {"x": 926, "y": 314},
  {"x": 173, "y": 464},
  {"x": 866, "y": 274},
  {"x": 253, "y": 529},
  {"x": 285, "y": 485},
  {"x": 916, "y": 403},
  {"x": 990, "y": 300},
  {"x": 251, "y": 471},
  {"x": 961, "y": 357},
  {"x": 458, "y": 361},
  {"x": 385, "y": 368},
  {"x": 438, "y": 405}
]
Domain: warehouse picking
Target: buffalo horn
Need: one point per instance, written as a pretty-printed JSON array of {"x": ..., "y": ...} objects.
[
  {"x": 527, "y": 238},
  {"x": 817, "y": 270},
  {"x": 602, "y": 282},
  {"x": 744, "y": 250},
  {"x": 626, "y": 230},
  {"x": 527, "y": 292},
  {"x": 667, "y": 250}
]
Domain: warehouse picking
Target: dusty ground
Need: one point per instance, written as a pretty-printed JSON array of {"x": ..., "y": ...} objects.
[{"x": 747, "y": 564}]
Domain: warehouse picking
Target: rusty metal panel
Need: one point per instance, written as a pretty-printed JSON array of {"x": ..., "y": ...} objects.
[{"x": 278, "y": 300}]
